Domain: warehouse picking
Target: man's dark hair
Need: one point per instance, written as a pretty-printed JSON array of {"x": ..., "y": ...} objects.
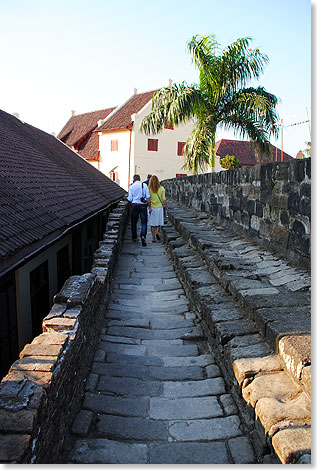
[{"x": 136, "y": 178}]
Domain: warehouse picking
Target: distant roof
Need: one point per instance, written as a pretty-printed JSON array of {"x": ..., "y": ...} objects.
[
  {"x": 121, "y": 119},
  {"x": 244, "y": 152},
  {"x": 78, "y": 126},
  {"x": 45, "y": 190}
]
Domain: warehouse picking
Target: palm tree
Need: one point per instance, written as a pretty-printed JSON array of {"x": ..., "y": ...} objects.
[{"x": 220, "y": 99}]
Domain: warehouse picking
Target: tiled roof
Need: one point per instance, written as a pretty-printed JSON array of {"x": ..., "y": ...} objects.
[
  {"x": 121, "y": 119},
  {"x": 79, "y": 126},
  {"x": 89, "y": 148},
  {"x": 45, "y": 189},
  {"x": 244, "y": 151}
]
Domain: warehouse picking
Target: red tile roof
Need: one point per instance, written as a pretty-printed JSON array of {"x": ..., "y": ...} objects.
[
  {"x": 245, "y": 153},
  {"x": 121, "y": 119},
  {"x": 81, "y": 125},
  {"x": 45, "y": 190}
]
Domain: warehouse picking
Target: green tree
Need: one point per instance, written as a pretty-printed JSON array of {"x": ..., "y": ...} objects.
[
  {"x": 308, "y": 150},
  {"x": 230, "y": 161},
  {"x": 220, "y": 99}
]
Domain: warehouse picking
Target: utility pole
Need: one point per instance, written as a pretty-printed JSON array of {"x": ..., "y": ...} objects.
[{"x": 308, "y": 122}]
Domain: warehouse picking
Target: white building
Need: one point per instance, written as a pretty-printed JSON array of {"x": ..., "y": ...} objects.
[
  {"x": 122, "y": 150},
  {"x": 125, "y": 151}
]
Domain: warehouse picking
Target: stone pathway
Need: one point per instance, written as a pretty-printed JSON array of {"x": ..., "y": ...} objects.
[{"x": 155, "y": 394}]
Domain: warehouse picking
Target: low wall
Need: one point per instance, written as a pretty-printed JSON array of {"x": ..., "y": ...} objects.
[
  {"x": 269, "y": 202},
  {"x": 42, "y": 390}
]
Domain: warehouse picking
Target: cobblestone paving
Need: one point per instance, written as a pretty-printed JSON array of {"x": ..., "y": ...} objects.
[{"x": 155, "y": 394}]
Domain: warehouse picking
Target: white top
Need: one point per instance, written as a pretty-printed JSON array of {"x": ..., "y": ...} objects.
[{"x": 136, "y": 192}]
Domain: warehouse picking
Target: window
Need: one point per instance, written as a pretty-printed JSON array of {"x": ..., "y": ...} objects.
[
  {"x": 113, "y": 175},
  {"x": 168, "y": 126},
  {"x": 152, "y": 145},
  {"x": 180, "y": 148},
  {"x": 114, "y": 145}
]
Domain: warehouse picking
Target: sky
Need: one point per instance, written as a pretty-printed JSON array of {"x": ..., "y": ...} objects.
[{"x": 62, "y": 55}]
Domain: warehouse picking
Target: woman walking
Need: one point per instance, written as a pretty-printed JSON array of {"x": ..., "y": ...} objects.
[{"x": 156, "y": 218}]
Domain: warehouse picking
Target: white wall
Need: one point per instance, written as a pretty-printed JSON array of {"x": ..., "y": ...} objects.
[
  {"x": 165, "y": 163},
  {"x": 119, "y": 159}
]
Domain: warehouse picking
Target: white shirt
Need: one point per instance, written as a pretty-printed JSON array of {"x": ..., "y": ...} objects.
[{"x": 136, "y": 191}]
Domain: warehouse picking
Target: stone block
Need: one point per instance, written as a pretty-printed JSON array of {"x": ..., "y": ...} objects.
[
  {"x": 276, "y": 329},
  {"x": 121, "y": 427},
  {"x": 291, "y": 443},
  {"x": 116, "y": 405},
  {"x": 13, "y": 447},
  {"x": 101, "y": 451},
  {"x": 188, "y": 453},
  {"x": 184, "y": 408},
  {"x": 265, "y": 315},
  {"x": 249, "y": 368},
  {"x": 295, "y": 351},
  {"x": 206, "y": 429},
  {"x": 59, "y": 324},
  {"x": 227, "y": 330},
  {"x": 228, "y": 405},
  {"x": 241, "y": 451},
  {"x": 195, "y": 388},
  {"x": 76, "y": 289},
  {"x": 35, "y": 363},
  {"x": 51, "y": 338},
  {"x": 82, "y": 423},
  {"x": 277, "y": 385},
  {"x": 21, "y": 422},
  {"x": 39, "y": 350},
  {"x": 273, "y": 413},
  {"x": 252, "y": 351},
  {"x": 306, "y": 380}
]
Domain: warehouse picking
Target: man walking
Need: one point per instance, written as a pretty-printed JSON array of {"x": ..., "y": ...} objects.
[
  {"x": 139, "y": 196},
  {"x": 148, "y": 179}
]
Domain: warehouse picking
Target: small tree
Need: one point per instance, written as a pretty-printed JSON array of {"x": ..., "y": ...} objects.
[
  {"x": 308, "y": 150},
  {"x": 230, "y": 161}
]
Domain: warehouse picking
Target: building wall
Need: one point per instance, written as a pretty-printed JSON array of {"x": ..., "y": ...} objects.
[
  {"x": 270, "y": 202},
  {"x": 89, "y": 237},
  {"x": 164, "y": 163},
  {"x": 118, "y": 159},
  {"x": 23, "y": 295}
]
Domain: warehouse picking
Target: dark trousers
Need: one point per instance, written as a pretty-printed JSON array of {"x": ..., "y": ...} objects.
[{"x": 136, "y": 211}]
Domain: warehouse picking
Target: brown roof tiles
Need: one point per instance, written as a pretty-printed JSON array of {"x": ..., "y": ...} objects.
[
  {"x": 81, "y": 125},
  {"x": 45, "y": 189},
  {"x": 121, "y": 119},
  {"x": 244, "y": 151}
]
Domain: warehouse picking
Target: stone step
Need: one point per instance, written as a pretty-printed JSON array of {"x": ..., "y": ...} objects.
[{"x": 251, "y": 318}]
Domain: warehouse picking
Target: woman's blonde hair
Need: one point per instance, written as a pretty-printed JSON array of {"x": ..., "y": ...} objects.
[{"x": 154, "y": 184}]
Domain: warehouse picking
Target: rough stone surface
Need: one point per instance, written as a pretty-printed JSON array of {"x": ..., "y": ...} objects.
[
  {"x": 104, "y": 451},
  {"x": 241, "y": 451},
  {"x": 291, "y": 443},
  {"x": 165, "y": 394},
  {"x": 271, "y": 411},
  {"x": 277, "y": 385},
  {"x": 246, "y": 368}
]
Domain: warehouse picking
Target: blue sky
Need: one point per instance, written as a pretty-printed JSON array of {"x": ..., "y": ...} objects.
[{"x": 63, "y": 55}]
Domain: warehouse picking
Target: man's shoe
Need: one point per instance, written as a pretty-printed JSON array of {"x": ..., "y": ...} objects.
[
  {"x": 143, "y": 241},
  {"x": 134, "y": 239}
]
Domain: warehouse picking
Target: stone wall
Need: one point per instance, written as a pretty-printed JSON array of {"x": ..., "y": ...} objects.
[
  {"x": 42, "y": 390},
  {"x": 269, "y": 202}
]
